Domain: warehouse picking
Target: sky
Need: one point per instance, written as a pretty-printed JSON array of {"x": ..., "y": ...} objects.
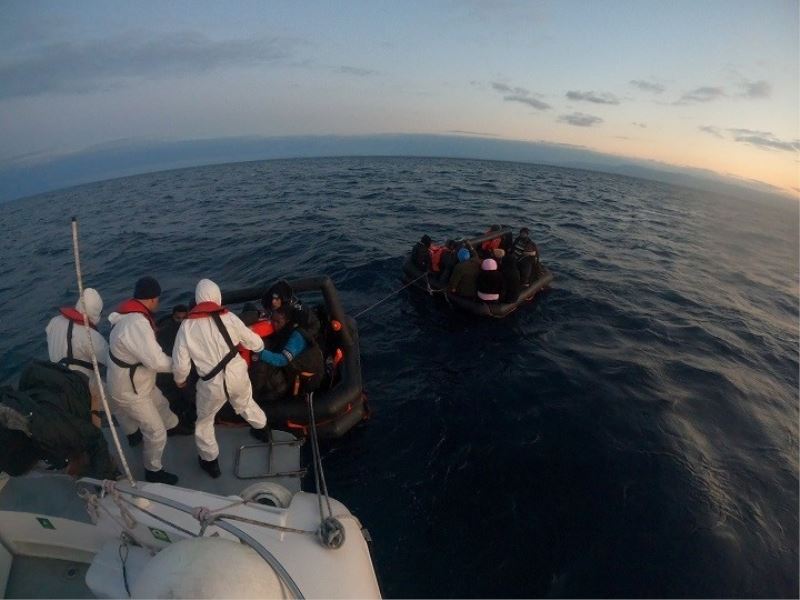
[{"x": 711, "y": 85}]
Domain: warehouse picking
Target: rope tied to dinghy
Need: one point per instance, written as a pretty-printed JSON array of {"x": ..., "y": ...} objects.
[{"x": 384, "y": 299}]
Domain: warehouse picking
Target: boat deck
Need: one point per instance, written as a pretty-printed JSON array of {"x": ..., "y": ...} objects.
[{"x": 51, "y": 493}]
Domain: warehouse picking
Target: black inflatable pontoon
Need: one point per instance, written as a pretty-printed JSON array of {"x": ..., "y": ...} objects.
[
  {"x": 341, "y": 403},
  {"x": 478, "y": 307}
]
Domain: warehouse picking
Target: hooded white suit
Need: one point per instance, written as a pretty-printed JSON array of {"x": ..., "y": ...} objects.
[
  {"x": 57, "y": 329},
  {"x": 199, "y": 340},
  {"x": 133, "y": 340}
]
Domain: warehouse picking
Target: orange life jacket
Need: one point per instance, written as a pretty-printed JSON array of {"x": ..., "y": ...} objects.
[
  {"x": 436, "y": 257},
  {"x": 262, "y": 328}
]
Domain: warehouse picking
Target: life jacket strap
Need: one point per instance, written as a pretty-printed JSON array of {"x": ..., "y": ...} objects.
[
  {"x": 122, "y": 364},
  {"x": 70, "y": 359},
  {"x": 233, "y": 352}
]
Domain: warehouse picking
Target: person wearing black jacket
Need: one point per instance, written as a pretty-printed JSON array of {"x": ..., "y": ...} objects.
[
  {"x": 511, "y": 279},
  {"x": 490, "y": 282},
  {"x": 420, "y": 254},
  {"x": 49, "y": 418}
]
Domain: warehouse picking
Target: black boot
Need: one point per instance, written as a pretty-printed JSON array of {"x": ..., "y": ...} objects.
[
  {"x": 134, "y": 439},
  {"x": 210, "y": 466},
  {"x": 160, "y": 477}
]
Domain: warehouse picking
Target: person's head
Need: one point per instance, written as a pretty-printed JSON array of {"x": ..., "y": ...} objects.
[
  {"x": 463, "y": 255},
  {"x": 147, "y": 291},
  {"x": 249, "y": 314},
  {"x": 179, "y": 312},
  {"x": 524, "y": 232},
  {"x": 92, "y": 303},
  {"x": 281, "y": 317},
  {"x": 494, "y": 228},
  {"x": 451, "y": 244},
  {"x": 498, "y": 253},
  {"x": 19, "y": 454},
  {"x": 489, "y": 264},
  {"x": 207, "y": 291},
  {"x": 278, "y": 295},
  {"x": 426, "y": 240}
]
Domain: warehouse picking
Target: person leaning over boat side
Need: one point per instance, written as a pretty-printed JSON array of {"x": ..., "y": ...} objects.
[
  {"x": 49, "y": 418},
  {"x": 208, "y": 339},
  {"x": 135, "y": 358},
  {"x": 526, "y": 254},
  {"x": 68, "y": 342},
  {"x": 490, "y": 281},
  {"x": 464, "y": 280},
  {"x": 420, "y": 254}
]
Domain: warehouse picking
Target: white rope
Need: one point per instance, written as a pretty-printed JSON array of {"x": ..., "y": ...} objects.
[
  {"x": 369, "y": 308},
  {"x": 95, "y": 366}
]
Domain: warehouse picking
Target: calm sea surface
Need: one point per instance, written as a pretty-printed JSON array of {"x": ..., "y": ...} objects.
[{"x": 634, "y": 432}]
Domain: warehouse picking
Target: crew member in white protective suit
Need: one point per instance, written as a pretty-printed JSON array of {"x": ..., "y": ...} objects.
[
  {"x": 134, "y": 359},
  {"x": 70, "y": 342},
  {"x": 208, "y": 338}
]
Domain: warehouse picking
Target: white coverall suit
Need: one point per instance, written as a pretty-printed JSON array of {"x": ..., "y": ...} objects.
[
  {"x": 57, "y": 346},
  {"x": 133, "y": 340},
  {"x": 57, "y": 335},
  {"x": 200, "y": 341}
]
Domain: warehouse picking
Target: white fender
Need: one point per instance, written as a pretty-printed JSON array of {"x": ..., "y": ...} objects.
[{"x": 267, "y": 491}]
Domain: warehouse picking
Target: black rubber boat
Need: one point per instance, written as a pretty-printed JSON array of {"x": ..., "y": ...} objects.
[
  {"x": 475, "y": 306},
  {"x": 340, "y": 403}
]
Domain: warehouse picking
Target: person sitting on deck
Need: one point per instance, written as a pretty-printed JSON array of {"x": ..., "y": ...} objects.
[
  {"x": 420, "y": 254},
  {"x": 526, "y": 254},
  {"x": 463, "y": 281},
  {"x": 490, "y": 281},
  {"x": 207, "y": 339},
  {"x": 49, "y": 418}
]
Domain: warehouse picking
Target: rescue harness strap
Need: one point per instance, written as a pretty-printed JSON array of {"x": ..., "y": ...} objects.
[
  {"x": 232, "y": 351},
  {"x": 70, "y": 359},
  {"x": 122, "y": 364}
]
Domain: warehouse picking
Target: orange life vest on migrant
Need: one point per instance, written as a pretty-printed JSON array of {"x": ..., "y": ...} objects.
[
  {"x": 262, "y": 329},
  {"x": 436, "y": 257}
]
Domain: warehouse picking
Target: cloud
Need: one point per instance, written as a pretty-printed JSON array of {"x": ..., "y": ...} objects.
[
  {"x": 764, "y": 140},
  {"x": 640, "y": 125},
  {"x": 580, "y": 119},
  {"x": 711, "y": 130},
  {"x": 532, "y": 102},
  {"x": 755, "y": 89},
  {"x": 521, "y": 95},
  {"x": 71, "y": 67},
  {"x": 356, "y": 71},
  {"x": 701, "y": 94},
  {"x": 647, "y": 86},
  {"x": 596, "y": 98}
]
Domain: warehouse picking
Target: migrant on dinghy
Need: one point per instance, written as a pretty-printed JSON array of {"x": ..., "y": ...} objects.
[
  {"x": 330, "y": 351},
  {"x": 490, "y": 275}
]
